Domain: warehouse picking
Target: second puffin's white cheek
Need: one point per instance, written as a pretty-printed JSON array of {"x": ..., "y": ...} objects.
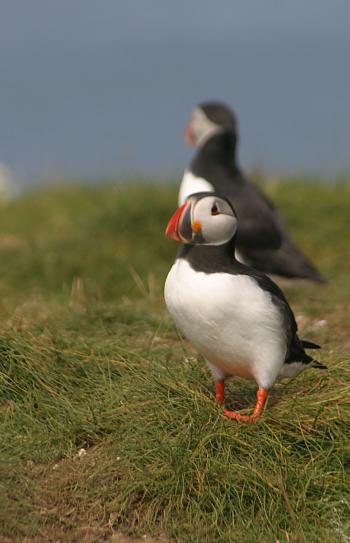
[
  {"x": 218, "y": 229},
  {"x": 201, "y": 125}
]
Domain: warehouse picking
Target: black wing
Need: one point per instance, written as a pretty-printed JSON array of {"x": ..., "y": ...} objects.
[
  {"x": 295, "y": 346},
  {"x": 262, "y": 237}
]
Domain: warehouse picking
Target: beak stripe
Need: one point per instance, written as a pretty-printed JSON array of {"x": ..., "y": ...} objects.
[
  {"x": 188, "y": 134},
  {"x": 172, "y": 229}
]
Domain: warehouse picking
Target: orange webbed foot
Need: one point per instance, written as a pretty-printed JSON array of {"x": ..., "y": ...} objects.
[{"x": 261, "y": 396}]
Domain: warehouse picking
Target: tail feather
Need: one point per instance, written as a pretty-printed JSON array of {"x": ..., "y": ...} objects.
[
  {"x": 309, "y": 344},
  {"x": 316, "y": 364}
]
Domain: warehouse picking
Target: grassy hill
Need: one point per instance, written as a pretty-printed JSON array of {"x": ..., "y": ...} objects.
[{"x": 108, "y": 422}]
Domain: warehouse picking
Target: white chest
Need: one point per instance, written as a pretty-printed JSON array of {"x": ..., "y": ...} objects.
[
  {"x": 191, "y": 184},
  {"x": 231, "y": 321}
]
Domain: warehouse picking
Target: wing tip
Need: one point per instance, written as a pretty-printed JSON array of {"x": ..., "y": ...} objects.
[{"x": 309, "y": 344}]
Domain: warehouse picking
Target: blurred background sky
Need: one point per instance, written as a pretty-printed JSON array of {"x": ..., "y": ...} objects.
[{"x": 96, "y": 88}]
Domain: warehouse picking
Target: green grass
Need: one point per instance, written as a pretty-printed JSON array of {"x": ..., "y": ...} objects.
[{"x": 89, "y": 359}]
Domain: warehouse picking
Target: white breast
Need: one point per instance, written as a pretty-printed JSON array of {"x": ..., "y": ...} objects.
[
  {"x": 191, "y": 184},
  {"x": 230, "y": 320}
]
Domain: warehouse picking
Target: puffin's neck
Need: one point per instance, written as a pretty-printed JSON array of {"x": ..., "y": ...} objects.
[
  {"x": 210, "y": 258},
  {"x": 219, "y": 149}
]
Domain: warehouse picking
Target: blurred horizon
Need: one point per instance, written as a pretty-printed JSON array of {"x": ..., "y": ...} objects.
[{"x": 105, "y": 89}]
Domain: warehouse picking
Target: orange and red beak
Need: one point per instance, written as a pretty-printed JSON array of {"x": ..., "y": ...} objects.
[
  {"x": 189, "y": 139},
  {"x": 172, "y": 230}
]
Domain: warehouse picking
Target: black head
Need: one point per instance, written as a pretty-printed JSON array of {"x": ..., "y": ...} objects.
[{"x": 210, "y": 118}]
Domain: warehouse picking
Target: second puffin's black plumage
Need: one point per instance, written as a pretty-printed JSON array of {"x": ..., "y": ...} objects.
[{"x": 262, "y": 238}]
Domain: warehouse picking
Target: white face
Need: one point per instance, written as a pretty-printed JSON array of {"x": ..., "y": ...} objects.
[
  {"x": 213, "y": 219},
  {"x": 201, "y": 126}
]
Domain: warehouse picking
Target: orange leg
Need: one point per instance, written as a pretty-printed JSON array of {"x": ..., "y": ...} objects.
[
  {"x": 261, "y": 395},
  {"x": 220, "y": 391}
]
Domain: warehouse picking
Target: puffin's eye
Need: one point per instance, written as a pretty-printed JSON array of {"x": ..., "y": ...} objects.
[{"x": 215, "y": 210}]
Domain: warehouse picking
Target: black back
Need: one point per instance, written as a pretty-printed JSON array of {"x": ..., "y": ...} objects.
[{"x": 262, "y": 236}]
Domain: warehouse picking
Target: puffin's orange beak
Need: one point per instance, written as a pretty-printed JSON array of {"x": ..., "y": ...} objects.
[
  {"x": 188, "y": 134},
  {"x": 172, "y": 229}
]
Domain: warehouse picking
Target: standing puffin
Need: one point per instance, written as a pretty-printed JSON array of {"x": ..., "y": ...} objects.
[
  {"x": 236, "y": 317},
  {"x": 262, "y": 241}
]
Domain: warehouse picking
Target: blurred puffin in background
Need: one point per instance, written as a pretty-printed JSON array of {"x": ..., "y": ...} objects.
[
  {"x": 262, "y": 240},
  {"x": 236, "y": 316}
]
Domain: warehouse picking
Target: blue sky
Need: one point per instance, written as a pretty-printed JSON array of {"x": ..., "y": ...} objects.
[{"x": 94, "y": 88}]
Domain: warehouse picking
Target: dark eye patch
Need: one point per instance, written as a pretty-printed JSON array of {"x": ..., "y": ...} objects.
[{"x": 215, "y": 210}]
